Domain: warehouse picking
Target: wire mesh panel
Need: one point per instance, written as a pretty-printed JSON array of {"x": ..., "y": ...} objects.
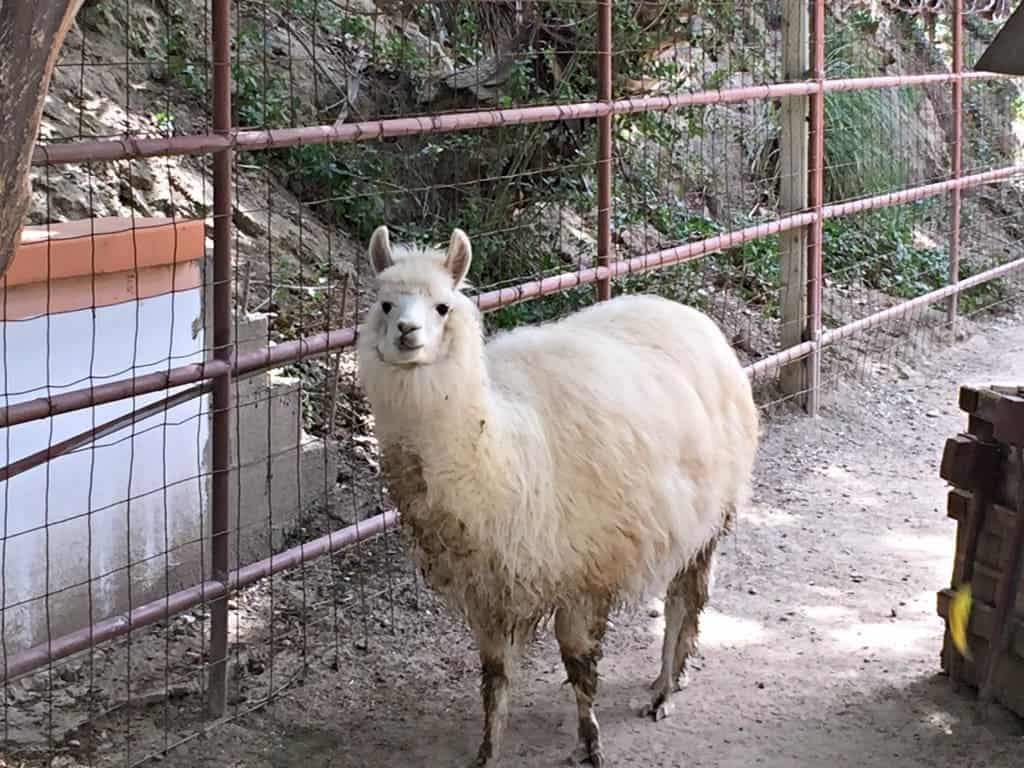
[{"x": 737, "y": 159}]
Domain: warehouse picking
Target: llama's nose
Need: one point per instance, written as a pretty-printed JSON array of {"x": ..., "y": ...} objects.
[{"x": 406, "y": 327}]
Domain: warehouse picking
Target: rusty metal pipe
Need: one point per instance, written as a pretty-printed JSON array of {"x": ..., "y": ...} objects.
[
  {"x": 604, "y": 146},
  {"x": 183, "y": 600},
  {"x": 815, "y": 200},
  {"x": 905, "y": 308},
  {"x": 956, "y": 156},
  {"x": 220, "y": 503},
  {"x": 101, "y": 430},
  {"x": 774, "y": 362},
  {"x": 58, "y": 648},
  {"x": 109, "y": 150},
  {"x": 835, "y": 210},
  {"x": 43, "y": 407}
]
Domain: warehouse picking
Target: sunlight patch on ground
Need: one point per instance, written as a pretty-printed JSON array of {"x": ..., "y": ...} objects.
[
  {"x": 830, "y": 613},
  {"x": 768, "y": 517},
  {"x": 937, "y": 546},
  {"x": 719, "y": 630},
  {"x": 830, "y": 592},
  {"x": 836, "y": 472},
  {"x": 937, "y": 551},
  {"x": 888, "y": 637}
]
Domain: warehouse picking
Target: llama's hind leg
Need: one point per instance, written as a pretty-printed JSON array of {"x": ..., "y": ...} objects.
[
  {"x": 687, "y": 595},
  {"x": 580, "y": 630},
  {"x": 665, "y": 684},
  {"x": 697, "y": 581}
]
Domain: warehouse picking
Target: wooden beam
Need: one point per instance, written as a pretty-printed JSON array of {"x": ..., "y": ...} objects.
[
  {"x": 793, "y": 144},
  {"x": 31, "y": 35}
]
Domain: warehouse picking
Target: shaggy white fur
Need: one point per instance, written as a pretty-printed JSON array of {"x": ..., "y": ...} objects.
[{"x": 588, "y": 462}]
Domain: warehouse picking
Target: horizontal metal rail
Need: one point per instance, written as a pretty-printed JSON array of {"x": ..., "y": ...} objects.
[
  {"x": 909, "y": 307},
  {"x": 163, "y": 608},
  {"x": 129, "y": 147},
  {"x": 102, "y": 430},
  {"x": 327, "y": 341}
]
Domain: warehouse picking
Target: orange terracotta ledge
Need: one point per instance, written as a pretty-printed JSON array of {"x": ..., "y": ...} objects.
[{"x": 99, "y": 262}]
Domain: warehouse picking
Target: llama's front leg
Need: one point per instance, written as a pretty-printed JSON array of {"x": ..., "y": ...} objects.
[
  {"x": 580, "y": 630},
  {"x": 494, "y": 684},
  {"x": 499, "y": 654}
]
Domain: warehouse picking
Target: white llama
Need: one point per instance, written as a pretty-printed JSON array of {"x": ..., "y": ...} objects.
[{"x": 560, "y": 470}]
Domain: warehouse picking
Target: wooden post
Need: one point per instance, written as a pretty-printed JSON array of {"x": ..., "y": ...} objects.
[
  {"x": 30, "y": 38},
  {"x": 793, "y": 142}
]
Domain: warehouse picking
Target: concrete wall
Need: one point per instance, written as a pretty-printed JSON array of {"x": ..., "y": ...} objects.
[
  {"x": 295, "y": 474},
  {"x": 126, "y": 519},
  {"x": 71, "y": 527}
]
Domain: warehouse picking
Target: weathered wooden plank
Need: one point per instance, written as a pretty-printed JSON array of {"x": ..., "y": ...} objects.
[
  {"x": 1006, "y": 603},
  {"x": 793, "y": 144},
  {"x": 970, "y": 464},
  {"x": 958, "y": 504},
  {"x": 1003, "y": 407}
]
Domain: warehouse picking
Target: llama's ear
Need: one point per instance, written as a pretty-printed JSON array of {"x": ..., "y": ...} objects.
[
  {"x": 460, "y": 255},
  {"x": 380, "y": 249}
]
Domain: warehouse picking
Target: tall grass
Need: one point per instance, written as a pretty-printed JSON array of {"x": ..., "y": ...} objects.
[{"x": 863, "y": 131}]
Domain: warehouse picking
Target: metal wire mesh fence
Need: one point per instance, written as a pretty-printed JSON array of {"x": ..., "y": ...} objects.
[{"x": 191, "y": 504}]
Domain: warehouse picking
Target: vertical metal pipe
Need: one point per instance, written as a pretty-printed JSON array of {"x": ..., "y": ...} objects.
[
  {"x": 956, "y": 156},
  {"x": 604, "y": 145},
  {"x": 222, "y": 350},
  {"x": 816, "y": 201}
]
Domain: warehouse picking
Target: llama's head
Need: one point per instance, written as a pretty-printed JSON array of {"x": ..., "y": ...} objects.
[{"x": 418, "y": 299}]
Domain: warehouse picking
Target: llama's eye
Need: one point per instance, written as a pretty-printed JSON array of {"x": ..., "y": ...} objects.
[
  {"x": 442, "y": 309},
  {"x": 386, "y": 306}
]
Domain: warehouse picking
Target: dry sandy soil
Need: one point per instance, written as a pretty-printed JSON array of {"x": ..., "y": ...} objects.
[{"x": 821, "y": 646}]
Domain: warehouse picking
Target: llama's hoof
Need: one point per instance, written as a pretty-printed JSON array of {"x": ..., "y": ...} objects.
[
  {"x": 658, "y": 710},
  {"x": 484, "y": 759},
  {"x": 588, "y": 753}
]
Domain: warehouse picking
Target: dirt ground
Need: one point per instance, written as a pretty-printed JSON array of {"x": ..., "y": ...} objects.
[{"x": 821, "y": 646}]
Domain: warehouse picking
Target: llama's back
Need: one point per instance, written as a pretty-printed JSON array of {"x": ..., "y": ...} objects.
[{"x": 648, "y": 420}]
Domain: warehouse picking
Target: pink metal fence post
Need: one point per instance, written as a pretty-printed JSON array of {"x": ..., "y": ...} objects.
[
  {"x": 816, "y": 201},
  {"x": 956, "y": 156},
  {"x": 222, "y": 351},
  {"x": 604, "y": 145}
]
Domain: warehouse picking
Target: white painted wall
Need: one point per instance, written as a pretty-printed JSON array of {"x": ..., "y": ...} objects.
[{"x": 127, "y": 498}]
